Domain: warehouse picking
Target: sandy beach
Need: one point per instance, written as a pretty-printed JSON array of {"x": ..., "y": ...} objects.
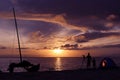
[{"x": 64, "y": 75}]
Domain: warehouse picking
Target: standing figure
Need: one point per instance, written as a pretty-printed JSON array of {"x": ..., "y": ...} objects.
[
  {"x": 89, "y": 59},
  {"x": 83, "y": 60},
  {"x": 94, "y": 63}
]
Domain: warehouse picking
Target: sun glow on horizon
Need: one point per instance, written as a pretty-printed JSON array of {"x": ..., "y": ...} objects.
[{"x": 57, "y": 51}]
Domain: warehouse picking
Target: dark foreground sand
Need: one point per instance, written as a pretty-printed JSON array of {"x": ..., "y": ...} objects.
[{"x": 64, "y": 75}]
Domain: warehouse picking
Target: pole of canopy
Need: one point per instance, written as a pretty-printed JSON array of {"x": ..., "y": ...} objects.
[{"x": 17, "y": 35}]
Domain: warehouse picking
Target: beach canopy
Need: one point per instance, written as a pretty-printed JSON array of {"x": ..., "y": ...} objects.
[{"x": 107, "y": 63}]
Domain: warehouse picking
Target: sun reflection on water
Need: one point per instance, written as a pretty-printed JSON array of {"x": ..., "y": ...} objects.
[{"x": 58, "y": 64}]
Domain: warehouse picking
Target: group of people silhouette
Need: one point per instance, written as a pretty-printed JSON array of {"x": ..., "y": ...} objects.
[{"x": 89, "y": 61}]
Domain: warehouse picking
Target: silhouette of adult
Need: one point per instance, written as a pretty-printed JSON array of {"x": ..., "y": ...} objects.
[{"x": 89, "y": 59}]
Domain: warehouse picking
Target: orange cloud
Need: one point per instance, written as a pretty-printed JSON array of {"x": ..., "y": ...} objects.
[
  {"x": 111, "y": 17},
  {"x": 110, "y": 24}
]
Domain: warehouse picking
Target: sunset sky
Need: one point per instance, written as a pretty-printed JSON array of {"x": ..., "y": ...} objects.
[{"x": 74, "y": 26}]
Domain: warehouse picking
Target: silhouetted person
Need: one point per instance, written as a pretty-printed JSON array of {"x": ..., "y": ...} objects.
[
  {"x": 94, "y": 63},
  {"x": 83, "y": 57},
  {"x": 88, "y": 60},
  {"x": 83, "y": 60}
]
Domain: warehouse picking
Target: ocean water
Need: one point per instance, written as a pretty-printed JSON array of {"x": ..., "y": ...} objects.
[{"x": 52, "y": 64}]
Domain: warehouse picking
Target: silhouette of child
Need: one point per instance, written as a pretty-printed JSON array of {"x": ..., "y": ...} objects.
[
  {"x": 94, "y": 63},
  {"x": 83, "y": 60}
]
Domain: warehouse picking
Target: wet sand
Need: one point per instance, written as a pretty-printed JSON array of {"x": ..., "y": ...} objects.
[{"x": 64, "y": 75}]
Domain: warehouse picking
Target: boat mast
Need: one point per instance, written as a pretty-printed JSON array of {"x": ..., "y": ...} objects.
[{"x": 17, "y": 35}]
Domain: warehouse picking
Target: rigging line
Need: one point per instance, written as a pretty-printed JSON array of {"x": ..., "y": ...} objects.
[{"x": 17, "y": 35}]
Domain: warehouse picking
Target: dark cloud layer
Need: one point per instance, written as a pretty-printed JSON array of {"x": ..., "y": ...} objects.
[
  {"x": 80, "y": 47},
  {"x": 112, "y": 46},
  {"x": 69, "y": 46},
  {"x": 92, "y": 15},
  {"x": 34, "y": 26},
  {"x": 91, "y": 36},
  {"x": 72, "y": 7}
]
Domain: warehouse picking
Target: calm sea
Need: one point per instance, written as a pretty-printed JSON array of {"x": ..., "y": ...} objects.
[{"x": 48, "y": 64}]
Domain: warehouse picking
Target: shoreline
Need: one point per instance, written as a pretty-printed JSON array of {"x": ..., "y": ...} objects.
[{"x": 81, "y": 74}]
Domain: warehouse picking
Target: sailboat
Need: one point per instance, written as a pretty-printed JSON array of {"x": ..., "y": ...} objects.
[{"x": 23, "y": 63}]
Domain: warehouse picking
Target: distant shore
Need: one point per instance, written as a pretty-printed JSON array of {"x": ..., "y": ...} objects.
[{"x": 82, "y": 74}]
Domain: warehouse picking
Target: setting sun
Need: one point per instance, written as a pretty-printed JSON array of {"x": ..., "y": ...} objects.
[{"x": 58, "y": 51}]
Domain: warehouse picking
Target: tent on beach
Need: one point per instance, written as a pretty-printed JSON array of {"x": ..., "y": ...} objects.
[{"x": 107, "y": 63}]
